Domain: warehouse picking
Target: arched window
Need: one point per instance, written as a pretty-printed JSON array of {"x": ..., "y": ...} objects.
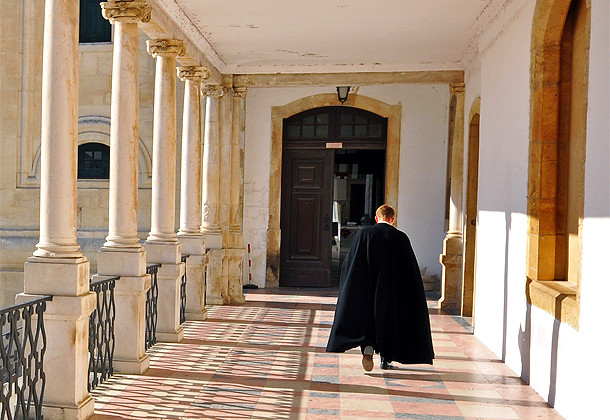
[
  {"x": 559, "y": 88},
  {"x": 341, "y": 123},
  {"x": 93, "y": 27},
  {"x": 93, "y": 161}
]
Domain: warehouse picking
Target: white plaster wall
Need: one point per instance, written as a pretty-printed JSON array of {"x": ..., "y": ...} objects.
[
  {"x": 422, "y": 165},
  {"x": 560, "y": 362}
]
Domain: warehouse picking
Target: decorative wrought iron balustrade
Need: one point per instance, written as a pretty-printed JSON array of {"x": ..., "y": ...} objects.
[
  {"x": 152, "y": 297},
  {"x": 183, "y": 292},
  {"x": 23, "y": 343},
  {"x": 101, "y": 330}
]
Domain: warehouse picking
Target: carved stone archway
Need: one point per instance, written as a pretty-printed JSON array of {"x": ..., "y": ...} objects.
[{"x": 278, "y": 114}]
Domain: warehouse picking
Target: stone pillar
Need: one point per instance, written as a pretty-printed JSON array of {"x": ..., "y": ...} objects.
[
  {"x": 236, "y": 236},
  {"x": 190, "y": 235},
  {"x": 58, "y": 267},
  {"x": 451, "y": 258},
  {"x": 162, "y": 245},
  {"x": 211, "y": 195},
  {"x": 122, "y": 254},
  {"x": 225, "y": 123}
]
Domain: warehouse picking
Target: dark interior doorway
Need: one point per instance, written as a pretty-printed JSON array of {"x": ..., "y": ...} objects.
[
  {"x": 333, "y": 179},
  {"x": 358, "y": 189}
]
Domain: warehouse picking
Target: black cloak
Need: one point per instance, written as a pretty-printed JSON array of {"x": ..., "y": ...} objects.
[{"x": 381, "y": 299}]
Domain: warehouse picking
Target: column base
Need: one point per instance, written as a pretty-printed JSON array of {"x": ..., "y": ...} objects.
[
  {"x": 170, "y": 336},
  {"x": 168, "y": 305},
  {"x": 213, "y": 239},
  {"x": 197, "y": 316},
  {"x": 451, "y": 283},
  {"x": 195, "y": 287},
  {"x": 451, "y": 291},
  {"x": 235, "y": 275},
  {"x": 214, "y": 274},
  {"x": 60, "y": 412},
  {"x": 121, "y": 262},
  {"x": 131, "y": 367}
]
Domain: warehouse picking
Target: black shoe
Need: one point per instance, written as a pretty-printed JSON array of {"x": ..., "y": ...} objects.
[{"x": 386, "y": 365}]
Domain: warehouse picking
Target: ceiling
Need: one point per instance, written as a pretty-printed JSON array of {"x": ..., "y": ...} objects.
[{"x": 289, "y": 36}]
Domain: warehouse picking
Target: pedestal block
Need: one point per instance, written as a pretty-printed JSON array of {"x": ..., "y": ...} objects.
[
  {"x": 195, "y": 287},
  {"x": 451, "y": 284},
  {"x": 130, "y": 324},
  {"x": 169, "y": 329},
  {"x": 213, "y": 240},
  {"x": 214, "y": 271},
  {"x": 55, "y": 276},
  {"x": 235, "y": 265},
  {"x": 66, "y": 361},
  {"x": 130, "y": 298}
]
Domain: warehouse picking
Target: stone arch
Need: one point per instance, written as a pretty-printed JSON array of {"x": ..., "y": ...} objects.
[
  {"x": 278, "y": 114},
  {"x": 96, "y": 129},
  {"x": 549, "y": 137}
]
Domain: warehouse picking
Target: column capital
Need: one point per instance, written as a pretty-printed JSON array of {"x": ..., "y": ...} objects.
[
  {"x": 457, "y": 88},
  {"x": 240, "y": 92},
  {"x": 128, "y": 11},
  {"x": 165, "y": 47},
  {"x": 194, "y": 73},
  {"x": 213, "y": 91}
]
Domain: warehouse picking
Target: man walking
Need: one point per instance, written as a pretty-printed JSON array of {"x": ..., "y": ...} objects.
[{"x": 382, "y": 305}]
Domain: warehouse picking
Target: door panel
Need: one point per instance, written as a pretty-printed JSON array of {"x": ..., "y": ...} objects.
[{"x": 306, "y": 234}]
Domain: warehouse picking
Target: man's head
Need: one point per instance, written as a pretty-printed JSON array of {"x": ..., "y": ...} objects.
[{"x": 384, "y": 213}]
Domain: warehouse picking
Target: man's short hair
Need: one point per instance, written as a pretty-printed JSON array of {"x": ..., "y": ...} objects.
[{"x": 385, "y": 212}]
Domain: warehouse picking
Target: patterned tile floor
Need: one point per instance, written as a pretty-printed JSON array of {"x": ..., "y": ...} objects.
[{"x": 266, "y": 360}]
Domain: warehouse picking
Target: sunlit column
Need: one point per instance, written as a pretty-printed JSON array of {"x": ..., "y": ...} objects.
[
  {"x": 58, "y": 267},
  {"x": 190, "y": 235},
  {"x": 451, "y": 258},
  {"x": 162, "y": 245},
  {"x": 122, "y": 254},
  {"x": 210, "y": 226},
  {"x": 236, "y": 252}
]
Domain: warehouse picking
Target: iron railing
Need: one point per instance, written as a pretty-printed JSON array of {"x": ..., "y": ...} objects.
[
  {"x": 23, "y": 343},
  {"x": 101, "y": 330},
  {"x": 183, "y": 292},
  {"x": 152, "y": 296}
]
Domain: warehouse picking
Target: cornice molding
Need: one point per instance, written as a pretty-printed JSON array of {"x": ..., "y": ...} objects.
[
  {"x": 131, "y": 11},
  {"x": 347, "y": 79},
  {"x": 165, "y": 47},
  {"x": 191, "y": 32}
]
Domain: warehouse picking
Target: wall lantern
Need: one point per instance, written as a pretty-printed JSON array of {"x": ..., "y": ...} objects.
[{"x": 342, "y": 92}]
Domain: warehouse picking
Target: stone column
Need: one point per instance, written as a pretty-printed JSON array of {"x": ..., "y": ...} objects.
[
  {"x": 58, "y": 267},
  {"x": 451, "y": 258},
  {"x": 211, "y": 195},
  {"x": 225, "y": 122},
  {"x": 237, "y": 251},
  {"x": 162, "y": 245},
  {"x": 122, "y": 254},
  {"x": 190, "y": 235}
]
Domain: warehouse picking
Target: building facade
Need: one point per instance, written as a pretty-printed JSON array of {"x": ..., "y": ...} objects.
[{"x": 497, "y": 164}]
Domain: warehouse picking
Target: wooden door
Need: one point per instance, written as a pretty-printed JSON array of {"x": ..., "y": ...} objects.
[
  {"x": 306, "y": 222},
  {"x": 470, "y": 231}
]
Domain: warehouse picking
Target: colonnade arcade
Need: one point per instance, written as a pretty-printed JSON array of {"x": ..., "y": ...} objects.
[{"x": 210, "y": 234}]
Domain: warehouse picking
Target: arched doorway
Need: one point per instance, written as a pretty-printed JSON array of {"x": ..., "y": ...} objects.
[
  {"x": 333, "y": 179},
  {"x": 278, "y": 114},
  {"x": 470, "y": 229}
]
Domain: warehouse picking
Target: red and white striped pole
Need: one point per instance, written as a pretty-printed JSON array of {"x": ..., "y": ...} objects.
[{"x": 250, "y": 285}]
